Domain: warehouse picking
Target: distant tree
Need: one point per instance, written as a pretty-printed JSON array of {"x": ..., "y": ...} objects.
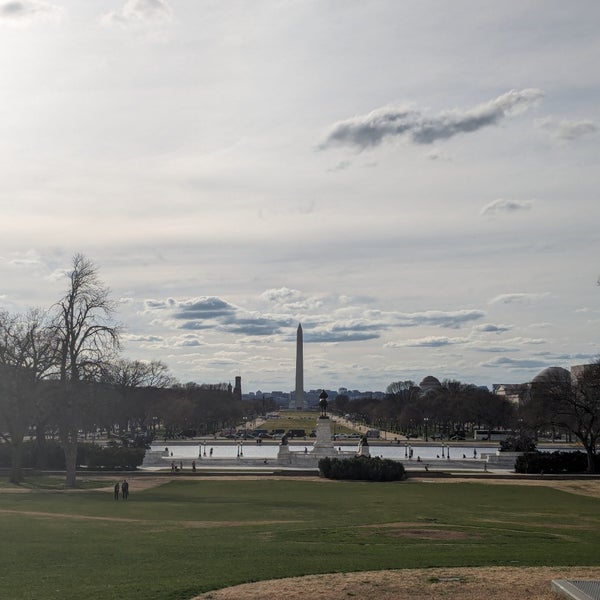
[
  {"x": 400, "y": 388},
  {"x": 570, "y": 404},
  {"x": 133, "y": 382},
  {"x": 340, "y": 402},
  {"x": 87, "y": 340}
]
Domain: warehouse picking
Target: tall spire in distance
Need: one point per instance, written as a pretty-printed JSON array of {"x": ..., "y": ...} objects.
[{"x": 298, "y": 399}]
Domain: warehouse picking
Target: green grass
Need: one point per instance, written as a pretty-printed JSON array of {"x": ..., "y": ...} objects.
[
  {"x": 45, "y": 482},
  {"x": 186, "y": 537},
  {"x": 306, "y": 420}
]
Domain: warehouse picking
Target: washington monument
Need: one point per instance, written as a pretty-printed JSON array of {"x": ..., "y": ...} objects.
[{"x": 297, "y": 401}]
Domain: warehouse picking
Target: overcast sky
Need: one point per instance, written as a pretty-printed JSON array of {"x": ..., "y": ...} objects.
[{"x": 416, "y": 182}]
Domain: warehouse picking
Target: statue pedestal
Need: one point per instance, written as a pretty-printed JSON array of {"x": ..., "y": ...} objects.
[
  {"x": 363, "y": 450},
  {"x": 283, "y": 454},
  {"x": 323, "y": 445}
]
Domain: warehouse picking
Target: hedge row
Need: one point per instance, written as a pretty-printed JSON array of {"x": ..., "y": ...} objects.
[
  {"x": 553, "y": 462},
  {"x": 362, "y": 468},
  {"x": 111, "y": 457},
  {"x": 90, "y": 455}
]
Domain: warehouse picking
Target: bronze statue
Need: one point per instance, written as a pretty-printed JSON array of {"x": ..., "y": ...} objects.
[{"x": 323, "y": 403}]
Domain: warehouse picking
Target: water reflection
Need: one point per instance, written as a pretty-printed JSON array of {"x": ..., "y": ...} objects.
[{"x": 269, "y": 451}]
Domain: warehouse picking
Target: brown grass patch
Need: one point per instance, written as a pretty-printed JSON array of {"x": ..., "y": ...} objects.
[
  {"x": 500, "y": 583},
  {"x": 429, "y": 534}
]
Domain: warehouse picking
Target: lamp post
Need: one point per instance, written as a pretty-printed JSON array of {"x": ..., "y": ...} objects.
[{"x": 426, "y": 420}]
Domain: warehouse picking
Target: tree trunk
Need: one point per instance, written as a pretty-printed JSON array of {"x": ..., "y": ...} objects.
[
  {"x": 41, "y": 455},
  {"x": 69, "y": 442},
  {"x": 591, "y": 459},
  {"x": 16, "y": 473}
]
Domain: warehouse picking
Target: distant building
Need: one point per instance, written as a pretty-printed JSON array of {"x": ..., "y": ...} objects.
[
  {"x": 237, "y": 390},
  {"x": 515, "y": 393}
]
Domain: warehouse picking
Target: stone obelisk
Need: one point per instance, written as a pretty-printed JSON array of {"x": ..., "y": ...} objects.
[{"x": 298, "y": 403}]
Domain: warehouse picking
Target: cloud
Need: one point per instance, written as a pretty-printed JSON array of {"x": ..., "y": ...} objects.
[
  {"x": 329, "y": 319},
  {"x": 367, "y": 131},
  {"x": 282, "y": 295},
  {"x": 292, "y": 300},
  {"x": 449, "y": 319},
  {"x": 21, "y": 13},
  {"x": 27, "y": 258},
  {"x": 437, "y": 154},
  {"x": 505, "y": 206},
  {"x": 505, "y": 362},
  {"x": 518, "y": 298},
  {"x": 211, "y": 312},
  {"x": 137, "y": 13},
  {"x": 341, "y": 166},
  {"x": 496, "y": 349},
  {"x": 339, "y": 335},
  {"x": 326, "y": 328},
  {"x": 203, "y": 308},
  {"x": 491, "y": 328},
  {"x": 255, "y": 325},
  {"x": 129, "y": 337},
  {"x": 188, "y": 341},
  {"x": 427, "y": 342},
  {"x": 563, "y": 129}
]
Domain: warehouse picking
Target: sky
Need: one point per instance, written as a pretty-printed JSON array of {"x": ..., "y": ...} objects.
[{"x": 415, "y": 182}]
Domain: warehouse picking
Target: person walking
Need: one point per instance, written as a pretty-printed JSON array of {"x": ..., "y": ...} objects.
[
  {"x": 125, "y": 489},
  {"x": 117, "y": 490}
]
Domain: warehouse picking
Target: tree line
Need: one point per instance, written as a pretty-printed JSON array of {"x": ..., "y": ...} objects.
[
  {"x": 555, "y": 404},
  {"x": 450, "y": 407},
  {"x": 61, "y": 375}
]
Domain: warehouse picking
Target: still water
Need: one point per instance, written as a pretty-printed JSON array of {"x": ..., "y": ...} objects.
[{"x": 269, "y": 451}]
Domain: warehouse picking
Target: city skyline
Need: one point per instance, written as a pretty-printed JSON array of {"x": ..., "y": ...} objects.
[{"x": 416, "y": 182}]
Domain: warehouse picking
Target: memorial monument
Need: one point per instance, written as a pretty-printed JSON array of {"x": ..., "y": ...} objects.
[{"x": 297, "y": 401}]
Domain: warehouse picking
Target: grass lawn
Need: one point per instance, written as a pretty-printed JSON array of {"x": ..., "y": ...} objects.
[
  {"x": 185, "y": 537},
  {"x": 306, "y": 420}
]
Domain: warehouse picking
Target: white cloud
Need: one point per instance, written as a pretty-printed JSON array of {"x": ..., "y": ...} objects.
[
  {"x": 427, "y": 342},
  {"x": 491, "y": 328},
  {"x": 128, "y": 337},
  {"x": 505, "y": 362},
  {"x": 565, "y": 129},
  {"x": 370, "y": 130},
  {"x": 519, "y": 298},
  {"x": 135, "y": 13},
  {"x": 22, "y": 13},
  {"x": 451, "y": 319},
  {"x": 505, "y": 206}
]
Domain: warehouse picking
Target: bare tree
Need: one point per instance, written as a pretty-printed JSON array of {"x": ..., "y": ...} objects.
[
  {"x": 134, "y": 382},
  {"x": 571, "y": 403},
  {"x": 27, "y": 354},
  {"x": 88, "y": 339}
]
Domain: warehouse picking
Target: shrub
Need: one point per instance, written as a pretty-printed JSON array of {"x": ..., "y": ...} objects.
[
  {"x": 518, "y": 443},
  {"x": 553, "y": 462},
  {"x": 92, "y": 455},
  {"x": 361, "y": 468},
  {"x": 54, "y": 457},
  {"x": 110, "y": 457}
]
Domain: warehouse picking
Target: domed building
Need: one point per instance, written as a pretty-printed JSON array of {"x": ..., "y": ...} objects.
[
  {"x": 430, "y": 385},
  {"x": 553, "y": 376}
]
